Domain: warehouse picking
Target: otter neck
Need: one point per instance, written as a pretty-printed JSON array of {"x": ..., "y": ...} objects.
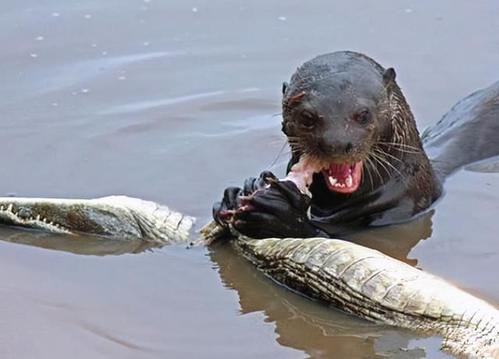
[
  {"x": 403, "y": 125},
  {"x": 398, "y": 149}
]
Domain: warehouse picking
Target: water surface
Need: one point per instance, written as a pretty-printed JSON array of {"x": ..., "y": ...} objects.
[{"x": 173, "y": 101}]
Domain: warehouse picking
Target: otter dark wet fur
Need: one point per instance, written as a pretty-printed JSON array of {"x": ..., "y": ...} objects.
[
  {"x": 346, "y": 113},
  {"x": 397, "y": 179}
]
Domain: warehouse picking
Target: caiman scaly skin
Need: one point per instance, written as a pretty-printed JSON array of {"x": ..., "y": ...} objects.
[
  {"x": 116, "y": 217},
  {"x": 376, "y": 287},
  {"x": 353, "y": 278}
]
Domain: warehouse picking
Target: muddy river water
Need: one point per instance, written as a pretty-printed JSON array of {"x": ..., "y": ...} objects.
[{"x": 172, "y": 101}]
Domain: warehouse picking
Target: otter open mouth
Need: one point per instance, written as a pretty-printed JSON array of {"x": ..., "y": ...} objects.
[{"x": 343, "y": 178}]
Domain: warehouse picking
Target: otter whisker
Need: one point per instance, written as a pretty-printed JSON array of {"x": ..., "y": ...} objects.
[
  {"x": 278, "y": 155},
  {"x": 384, "y": 153},
  {"x": 295, "y": 138},
  {"x": 374, "y": 168},
  {"x": 366, "y": 169},
  {"x": 384, "y": 160},
  {"x": 381, "y": 161},
  {"x": 296, "y": 147},
  {"x": 276, "y": 141},
  {"x": 402, "y": 149},
  {"x": 401, "y": 146}
]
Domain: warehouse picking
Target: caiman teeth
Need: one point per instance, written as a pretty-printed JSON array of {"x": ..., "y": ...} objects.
[
  {"x": 9, "y": 208},
  {"x": 332, "y": 180}
]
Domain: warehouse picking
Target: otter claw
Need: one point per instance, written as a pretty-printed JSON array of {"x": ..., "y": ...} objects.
[{"x": 226, "y": 214}]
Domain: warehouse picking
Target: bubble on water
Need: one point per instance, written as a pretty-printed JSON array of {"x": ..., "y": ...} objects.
[
  {"x": 87, "y": 16},
  {"x": 56, "y": 14},
  {"x": 146, "y": 43},
  {"x": 122, "y": 78},
  {"x": 54, "y": 104},
  {"x": 39, "y": 38},
  {"x": 408, "y": 10},
  {"x": 84, "y": 90},
  {"x": 147, "y": 1},
  {"x": 33, "y": 55},
  {"x": 104, "y": 53},
  {"x": 282, "y": 18},
  {"x": 93, "y": 44},
  {"x": 194, "y": 9}
]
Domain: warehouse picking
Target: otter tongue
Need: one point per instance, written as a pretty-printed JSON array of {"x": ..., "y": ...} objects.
[
  {"x": 340, "y": 171},
  {"x": 343, "y": 177}
]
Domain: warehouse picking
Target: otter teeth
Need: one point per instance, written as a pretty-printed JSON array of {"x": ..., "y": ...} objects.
[
  {"x": 332, "y": 180},
  {"x": 349, "y": 181}
]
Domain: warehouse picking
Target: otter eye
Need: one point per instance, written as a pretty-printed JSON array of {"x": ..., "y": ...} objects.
[
  {"x": 308, "y": 120},
  {"x": 363, "y": 117}
]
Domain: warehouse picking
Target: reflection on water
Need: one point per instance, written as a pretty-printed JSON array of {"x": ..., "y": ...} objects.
[
  {"x": 70, "y": 75},
  {"x": 315, "y": 329},
  {"x": 397, "y": 240},
  {"x": 77, "y": 244},
  {"x": 303, "y": 324}
]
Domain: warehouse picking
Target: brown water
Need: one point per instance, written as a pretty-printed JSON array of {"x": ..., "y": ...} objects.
[{"x": 173, "y": 101}]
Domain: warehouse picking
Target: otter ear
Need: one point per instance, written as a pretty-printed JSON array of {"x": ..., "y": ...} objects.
[
  {"x": 284, "y": 87},
  {"x": 389, "y": 75}
]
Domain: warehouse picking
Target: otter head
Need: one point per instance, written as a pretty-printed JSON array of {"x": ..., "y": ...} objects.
[{"x": 334, "y": 112}]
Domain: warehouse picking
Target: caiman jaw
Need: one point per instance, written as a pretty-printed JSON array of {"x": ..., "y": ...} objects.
[{"x": 14, "y": 215}]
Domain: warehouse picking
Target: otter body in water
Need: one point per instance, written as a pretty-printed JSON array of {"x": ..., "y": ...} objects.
[{"x": 346, "y": 114}]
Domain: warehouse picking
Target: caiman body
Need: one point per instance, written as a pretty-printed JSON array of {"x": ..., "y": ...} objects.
[{"x": 353, "y": 278}]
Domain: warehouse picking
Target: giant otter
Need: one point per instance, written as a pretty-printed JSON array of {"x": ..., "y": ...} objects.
[{"x": 346, "y": 112}]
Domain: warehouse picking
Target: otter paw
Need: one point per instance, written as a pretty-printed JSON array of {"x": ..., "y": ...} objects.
[{"x": 279, "y": 210}]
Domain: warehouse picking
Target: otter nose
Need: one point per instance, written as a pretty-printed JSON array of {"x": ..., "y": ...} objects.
[{"x": 335, "y": 146}]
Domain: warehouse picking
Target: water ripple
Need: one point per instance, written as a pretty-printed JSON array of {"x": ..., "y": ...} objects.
[{"x": 72, "y": 74}]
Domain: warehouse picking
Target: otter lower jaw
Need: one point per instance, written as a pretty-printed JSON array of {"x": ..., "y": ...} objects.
[{"x": 343, "y": 177}]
